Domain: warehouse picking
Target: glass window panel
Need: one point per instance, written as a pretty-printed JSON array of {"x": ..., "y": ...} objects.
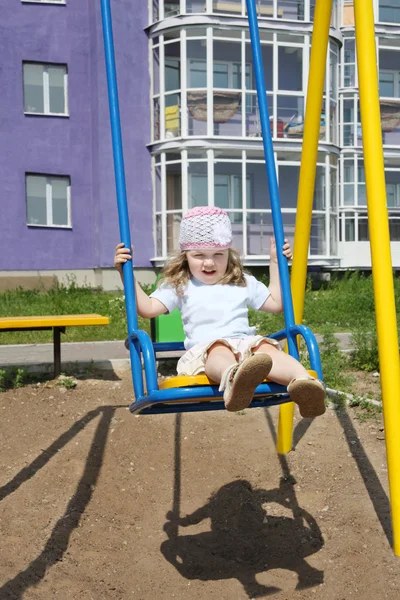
[
  {"x": 252, "y": 116},
  {"x": 349, "y": 229},
  {"x": 228, "y": 185},
  {"x": 267, "y": 61},
  {"x": 257, "y": 196},
  {"x": 290, "y": 68},
  {"x": 348, "y": 194},
  {"x": 391, "y": 195},
  {"x": 333, "y": 234},
  {"x": 36, "y": 200},
  {"x": 173, "y": 227},
  {"x": 389, "y": 11},
  {"x": 227, "y": 114},
  {"x": 291, "y": 9},
  {"x": 259, "y": 232},
  {"x": 156, "y": 70},
  {"x": 221, "y": 75},
  {"x": 362, "y": 194},
  {"x": 159, "y": 251},
  {"x": 334, "y": 188},
  {"x": 349, "y": 50},
  {"x": 318, "y": 235},
  {"x": 197, "y": 63},
  {"x": 33, "y": 88},
  {"x": 291, "y": 115},
  {"x": 349, "y": 76},
  {"x": 394, "y": 228},
  {"x": 174, "y": 187},
  {"x": 171, "y": 8},
  {"x": 158, "y": 187},
  {"x": 59, "y": 191},
  {"x": 386, "y": 84},
  {"x": 221, "y": 191},
  {"x": 319, "y": 189},
  {"x": 363, "y": 233},
  {"x": 196, "y": 6},
  {"x": 155, "y": 11},
  {"x": 156, "y": 118},
  {"x": 227, "y": 6},
  {"x": 172, "y": 73},
  {"x": 348, "y": 135},
  {"x": 197, "y": 184},
  {"x": 172, "y": 115},
  {"x": 56, "y": 89},
  {"x": 288, "y": 185},
  {"x": 348, "y": 171},
  {"x": 197, "y": 112}
]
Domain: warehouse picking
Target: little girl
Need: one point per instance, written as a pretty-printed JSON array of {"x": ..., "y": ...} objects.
[{"x": 206, "y": 282}]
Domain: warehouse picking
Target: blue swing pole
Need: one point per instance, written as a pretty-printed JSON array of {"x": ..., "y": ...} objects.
[
  {"x": 129, "y": 282},
  {"x": 271, "y": 176}
]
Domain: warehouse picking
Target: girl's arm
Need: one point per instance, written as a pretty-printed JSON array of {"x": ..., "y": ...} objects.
[
  {"x": 274, "y": 303},
  {"x": 146, "y": 307}
]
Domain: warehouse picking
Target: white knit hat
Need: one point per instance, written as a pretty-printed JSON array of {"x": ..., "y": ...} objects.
[{"x": 205, "y": 228}]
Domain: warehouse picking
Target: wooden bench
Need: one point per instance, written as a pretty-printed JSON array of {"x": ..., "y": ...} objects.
[{"x": 54, "y": 322}]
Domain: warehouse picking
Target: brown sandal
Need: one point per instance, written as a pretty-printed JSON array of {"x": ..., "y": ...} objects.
[
  {"x": 309, "y": 394},
  {"x": 240, "y": 381}
]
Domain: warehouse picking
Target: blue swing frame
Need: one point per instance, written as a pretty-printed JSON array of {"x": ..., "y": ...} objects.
[{"x": 199, "y": 397}]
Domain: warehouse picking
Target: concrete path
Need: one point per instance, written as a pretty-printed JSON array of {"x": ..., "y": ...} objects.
[{"x": 100, "y": 355}]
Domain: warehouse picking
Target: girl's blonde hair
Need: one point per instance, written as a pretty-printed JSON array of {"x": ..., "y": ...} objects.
[{"x": 177, "y": 274}]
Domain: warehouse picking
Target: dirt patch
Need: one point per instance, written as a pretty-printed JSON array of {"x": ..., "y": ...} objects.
[{"x": 98, "y": 504}]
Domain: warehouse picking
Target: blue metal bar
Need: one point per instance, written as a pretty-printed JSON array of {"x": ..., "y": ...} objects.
[
  {"x": 271, "y": 174},
  {"x": 129, "y": 282}
]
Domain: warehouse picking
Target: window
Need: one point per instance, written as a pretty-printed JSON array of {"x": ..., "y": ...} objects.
[
  {"x": 48, "y": 201},
  {"x": 46, "y": 1},
  {"x": 389, "y": 11},
  {"x": 389, "y": 83},
  {"x": 45, "y": 89},
  {"x": 349, "y": 63},
  {"x": 393, "y": 195},
  {"x": 225, "y": 74}
]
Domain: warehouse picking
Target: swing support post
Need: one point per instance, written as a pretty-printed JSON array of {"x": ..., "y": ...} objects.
[
  {"x": 312, "y": 123},
  {"x": 120, "y": 183},
  {"x": 271, "y": 175},
  {"x": 382, "y": 276}
]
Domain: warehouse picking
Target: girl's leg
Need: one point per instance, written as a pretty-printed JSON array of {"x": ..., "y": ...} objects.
[
  {"x": 284, "y": 367},
  {"x": 238, "y": 381},
  {"x": 219, "y": 358},
  {"x": 308, "y": 393}
]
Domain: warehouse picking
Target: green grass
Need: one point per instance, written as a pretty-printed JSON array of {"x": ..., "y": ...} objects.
[
  {"x": 344, "y": 304},
  {"x": 61, "y": 300}
]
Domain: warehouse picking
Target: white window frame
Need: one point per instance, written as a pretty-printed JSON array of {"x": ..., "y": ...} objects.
[
  {"x": 49, "y": 204},
  {"x": 46, "y": 89},
  {"x": 230, "y": 65},
  {"x": 396, "y": 81},
  {"x": 396, "y": 191},
  {"x": 44, "y": 1}
]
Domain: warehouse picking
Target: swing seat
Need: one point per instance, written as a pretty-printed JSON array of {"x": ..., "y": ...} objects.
[{"x": 183, "y": 393}]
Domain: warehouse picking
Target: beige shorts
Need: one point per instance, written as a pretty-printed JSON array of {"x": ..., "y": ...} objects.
[{"x": 193, "y": 361}]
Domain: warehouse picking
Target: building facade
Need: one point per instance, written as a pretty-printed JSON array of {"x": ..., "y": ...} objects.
[{"x": 191, "y": 129}]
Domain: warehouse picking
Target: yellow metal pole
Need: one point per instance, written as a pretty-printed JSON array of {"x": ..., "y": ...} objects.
[
  {"x": 385, "y": 308},
  {"x": 308, "y": 167}
]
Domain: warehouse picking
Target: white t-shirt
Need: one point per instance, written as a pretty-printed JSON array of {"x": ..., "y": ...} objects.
[{"x": 210, "y": 312}]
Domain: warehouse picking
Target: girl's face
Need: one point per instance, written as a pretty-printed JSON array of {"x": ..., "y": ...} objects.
[{"x": 208, "y": 266}]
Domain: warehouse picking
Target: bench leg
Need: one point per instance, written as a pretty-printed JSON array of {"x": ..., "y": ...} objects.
[{"x": 57, "y": 350}]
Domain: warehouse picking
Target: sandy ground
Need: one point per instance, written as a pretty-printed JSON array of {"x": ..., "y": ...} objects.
[{"x": 98, "y": 504}]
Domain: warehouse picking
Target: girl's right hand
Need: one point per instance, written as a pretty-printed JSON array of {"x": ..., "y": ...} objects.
[{"x": 122, "y": 255}]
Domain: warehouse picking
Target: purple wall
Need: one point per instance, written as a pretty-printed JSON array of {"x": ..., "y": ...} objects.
[{"x": 78, "y": 146}]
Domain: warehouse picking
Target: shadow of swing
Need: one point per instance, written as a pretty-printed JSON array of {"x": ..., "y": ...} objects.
[{"x": 252, "y": 531}]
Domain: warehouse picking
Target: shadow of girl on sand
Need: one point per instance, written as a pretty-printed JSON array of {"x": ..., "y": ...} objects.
[{"x": 246, "y": 538}]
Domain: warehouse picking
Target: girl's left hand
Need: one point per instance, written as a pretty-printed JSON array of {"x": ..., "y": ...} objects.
[{"x": 287, "y": 250}]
